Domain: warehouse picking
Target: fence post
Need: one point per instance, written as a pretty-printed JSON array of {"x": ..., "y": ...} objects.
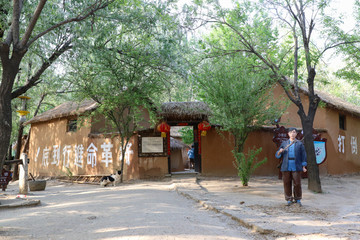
[{"x": 23, "y": 175}]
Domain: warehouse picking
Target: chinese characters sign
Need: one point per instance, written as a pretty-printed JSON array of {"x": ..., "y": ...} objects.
[
  {"x": 55, "y": 154},
  {"x": 353, "y": 144}
]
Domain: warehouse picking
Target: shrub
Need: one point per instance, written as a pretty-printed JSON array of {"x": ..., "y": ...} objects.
[{"x": 246, "y": 164}]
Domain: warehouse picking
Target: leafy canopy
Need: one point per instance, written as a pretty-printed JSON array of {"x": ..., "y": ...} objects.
[{"x": 239, "y": 96}]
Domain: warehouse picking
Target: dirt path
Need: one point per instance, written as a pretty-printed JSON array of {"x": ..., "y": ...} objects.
[
  {"x": 145, "y": 210},
  {"x": 334, "y": 214},
  {"x": 187, "y": 208}
]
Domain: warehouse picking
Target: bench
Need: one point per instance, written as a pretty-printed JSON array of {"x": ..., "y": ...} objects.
[{"x": 5, "y": 178}]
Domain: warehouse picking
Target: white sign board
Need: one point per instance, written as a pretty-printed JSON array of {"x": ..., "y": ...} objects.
[{"x": 152, "y": 145}]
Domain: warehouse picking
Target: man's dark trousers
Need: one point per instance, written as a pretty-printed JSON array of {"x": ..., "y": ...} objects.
[{"x": 289, "y": 179}]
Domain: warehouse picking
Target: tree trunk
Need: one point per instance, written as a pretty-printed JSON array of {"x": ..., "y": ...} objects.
[
  {"x": 18, "y": 151},
  {"x": 10, "y": 68},
  {"x": 123, "y": 152},
  {"x": 5, "y": 125},
  {"x": 314, "y": 183},
  {"x": 122, "y": 166},
  {"x": 9, "y": 154}
]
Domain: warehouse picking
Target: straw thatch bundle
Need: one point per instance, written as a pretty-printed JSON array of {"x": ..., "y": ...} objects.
[
  {"x": 64, "y": 110},
  {"x": 184, "y": 111},
  {"x": 177, "y": 144},
  {"x": 338, "y": 103},
  {"x": 179, "y": 111}
]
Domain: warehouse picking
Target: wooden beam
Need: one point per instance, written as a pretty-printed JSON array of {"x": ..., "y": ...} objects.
[{"x": 16, "y": 161}]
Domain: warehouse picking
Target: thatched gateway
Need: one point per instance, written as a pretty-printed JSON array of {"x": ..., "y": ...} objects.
[
  {"x": 58, "y": 147},
  {"x": 187, "y": 114}
]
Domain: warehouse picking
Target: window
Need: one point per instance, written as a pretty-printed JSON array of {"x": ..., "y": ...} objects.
[
  {"x": 342, "y": 122},
  {"x": 72, "y": 125}
]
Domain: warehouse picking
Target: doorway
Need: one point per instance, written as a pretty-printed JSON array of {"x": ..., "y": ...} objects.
[{"x": 183, "y": 157}]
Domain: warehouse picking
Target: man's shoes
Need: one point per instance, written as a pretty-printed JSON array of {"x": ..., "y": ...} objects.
[{"x": 298, "y": 202}]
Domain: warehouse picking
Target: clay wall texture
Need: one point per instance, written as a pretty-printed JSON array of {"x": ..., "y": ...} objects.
[
  {"x": 343, "y": 155},
  {"x": 55, "y": 152}
]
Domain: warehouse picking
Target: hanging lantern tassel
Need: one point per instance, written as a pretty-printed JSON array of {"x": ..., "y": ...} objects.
[
  {"x": 204, "y": 126},
  {"x": 163, "y": 128}
]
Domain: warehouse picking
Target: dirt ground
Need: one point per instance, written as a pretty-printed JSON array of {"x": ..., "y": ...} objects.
[
  {"x": 148, "y": 210},
  {"x": 333, "y": 214},
  {"x": 259, "y": 208}
]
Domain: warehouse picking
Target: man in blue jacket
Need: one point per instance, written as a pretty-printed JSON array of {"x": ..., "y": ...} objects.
[
  {"x": 191, "y": 156},
  {"x": 294, "y": 162}
]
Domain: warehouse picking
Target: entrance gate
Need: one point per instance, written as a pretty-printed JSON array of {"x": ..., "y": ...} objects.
[
  {"x": 196, "y": 143},
  {"x": 186, "y": 114}
]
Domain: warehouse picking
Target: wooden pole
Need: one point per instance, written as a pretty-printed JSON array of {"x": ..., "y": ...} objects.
[{"x": 23, "y": 176}]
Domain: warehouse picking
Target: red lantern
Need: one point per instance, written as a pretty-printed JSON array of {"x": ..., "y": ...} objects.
[
  {"x": 163, "y": 128},
  {"x": 204, "y": 126}
]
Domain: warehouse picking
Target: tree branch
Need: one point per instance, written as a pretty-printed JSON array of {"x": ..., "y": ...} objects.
[
  {"x": 86, "y": 13},
  {"x": 13, "y": 35},
  {"x": 285, "y": 84},
  {"x": 296, "y": 62},
  {"x": 36, "y": 78},
  {"x": 311, "y": 28},
  {"x": 338, "y": 44},
  {"x": 32, "y": 23},
  {"x": 251, "y": 49}
]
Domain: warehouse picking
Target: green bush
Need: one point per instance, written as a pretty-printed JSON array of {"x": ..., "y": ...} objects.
[{"x": 246, "y": 164}]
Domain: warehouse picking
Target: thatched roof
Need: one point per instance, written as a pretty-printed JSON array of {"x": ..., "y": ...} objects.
[
  {"x": 179, "y": 111},
  {"x": 64, "y": 110},
  {"x": 338, "y": 103},
  {"x": 334, "y": 102},
  {"x": 184, "y": 111},
  {"x": 177, "y": 144}
]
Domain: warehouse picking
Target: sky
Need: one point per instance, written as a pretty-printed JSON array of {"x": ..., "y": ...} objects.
[
  {"x": 337, "y": 7},
  {"x": 344, "y": 7}
]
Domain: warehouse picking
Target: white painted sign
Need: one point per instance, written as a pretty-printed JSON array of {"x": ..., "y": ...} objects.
[
  {"x": 341, "y": 143},
  {"x": 128, "y": 152},
  {"x": 354, "y": 145},
  {"x": 91, "y": 155},
  {"x": 76, "y": 154},
  {"x": 106, "y": 154}
]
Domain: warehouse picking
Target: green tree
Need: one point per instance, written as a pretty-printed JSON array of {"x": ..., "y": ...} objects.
[
  {"x": 280, "y": 35},
  {"x": 122, "y": 87},
  {"x": 240, "y": 101},
  {"x": 127, "y": 71},
  {"x": 187, "y": 135},
  {"x": 349, "y": 53},
  {"x": 24, "y": 26}
]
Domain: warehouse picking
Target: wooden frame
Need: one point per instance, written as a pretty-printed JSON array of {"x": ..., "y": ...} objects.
[{"x": 154, "y": 150}]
